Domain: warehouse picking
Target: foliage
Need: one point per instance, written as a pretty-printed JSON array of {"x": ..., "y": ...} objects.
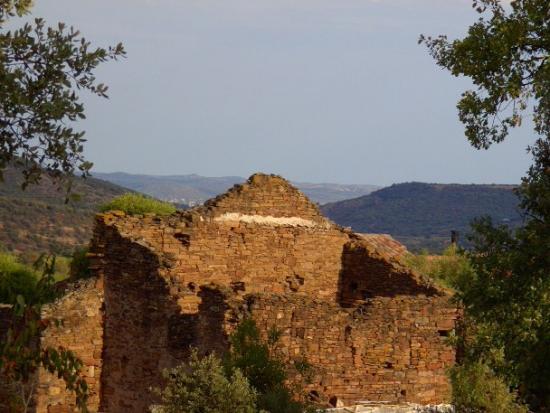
[
  {"x": 476, "y": 389},
  {"x": 266, "y": 373},
  {"x": 422, "y": 215},
  {"x": 250, "y": 379},
  {"x": 506, "y": 54},
  {"x": 80, "y": 264},
  {"x": 20, "y": 356},
  {"x": 252, "y": 356},
  {"x": 448, "y": 269},
  {"x": 16, "y": 279},
  {"x": 508, "y": 298},
  {"x": 41, "y": 70},
  {"x": 201, "y": 386},
  {"x": 134, "y": 204}
]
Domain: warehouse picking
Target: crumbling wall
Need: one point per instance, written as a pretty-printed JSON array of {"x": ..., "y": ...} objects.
[
  {"x": 370, "y": 327},
  {"x": 80, "y": 312},
  {"x": 146, "y": 327},
  {"x": 388, "y": 349},
  {"x": 247, "y": 257},
  {"x": 156, "y": 298},
  {"x": 137, "y": 307}
]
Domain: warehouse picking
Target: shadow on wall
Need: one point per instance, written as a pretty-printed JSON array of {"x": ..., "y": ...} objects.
[
  {"x": 203, "y": 330},
  {"x": 145, "y": 329},
  {"x": 365, "y": 276}
]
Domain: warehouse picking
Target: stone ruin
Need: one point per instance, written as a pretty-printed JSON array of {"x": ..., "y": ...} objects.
[{"x": 371, "y": 328}]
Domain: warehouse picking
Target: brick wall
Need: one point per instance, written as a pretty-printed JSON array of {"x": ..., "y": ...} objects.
[
  {"x": 388, "y": 349},
  {"x": 81, "y": 331}
]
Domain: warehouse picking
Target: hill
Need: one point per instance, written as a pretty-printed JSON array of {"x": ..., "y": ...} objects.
[
  {"x": 195, "y": 189},
  {"x": 423, "y": 215},
  {"x": 38, "y": 220}
]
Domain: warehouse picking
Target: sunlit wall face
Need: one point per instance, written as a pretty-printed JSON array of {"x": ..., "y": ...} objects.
[{"x": 315, "y": 90}]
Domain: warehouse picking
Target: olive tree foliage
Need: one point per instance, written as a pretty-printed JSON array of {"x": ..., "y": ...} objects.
[
  {"x": 42, "y": 69},
  {"x": 26, "y": 291},
  {"x": 201, "y": 386},
  {"x": 506, "y": 54}
]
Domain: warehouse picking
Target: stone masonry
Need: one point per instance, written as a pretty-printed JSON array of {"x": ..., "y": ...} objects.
[{"x": 371, "y": 328}]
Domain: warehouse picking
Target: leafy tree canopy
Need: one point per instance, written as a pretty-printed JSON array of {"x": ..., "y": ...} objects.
[
  {"x": 506, "y": 54},
  {"x": 201, "y": 386},
  {"x": 41, "y": 70}
]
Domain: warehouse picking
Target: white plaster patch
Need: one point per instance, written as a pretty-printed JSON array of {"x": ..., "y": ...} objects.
[{"x": 270, "y": 220}]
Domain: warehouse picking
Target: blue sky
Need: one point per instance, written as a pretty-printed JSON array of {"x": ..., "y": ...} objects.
[{"x": 314, "y": 90}]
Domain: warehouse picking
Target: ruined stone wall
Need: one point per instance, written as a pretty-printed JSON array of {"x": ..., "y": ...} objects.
[
  {"x": 137, "y": 307},
  {"x": 81, "y": 331},
  {"x": 159, "y": 302},
  {"x": 388, "y": 349},
  {"x": 250, "y": 257},
  {"x": 370, "y": 327}
]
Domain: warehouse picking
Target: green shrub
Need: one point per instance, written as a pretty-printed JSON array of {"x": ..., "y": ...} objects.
[
  {"x": 135, "y": 204},
  {"x": 202, "y": 387},
  {"x": 80, "y": 264},
  {"x": 476, "y": 389},
  {"x": 265, "y": 372},
  {"x": 16, "y": 279},
  {"x": 251, "y": 355},
  {"x": 448, "y": 269}
]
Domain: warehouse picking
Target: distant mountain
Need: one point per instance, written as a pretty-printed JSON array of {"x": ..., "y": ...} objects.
[
  {"x": 423, "y": 215},
  {"x": 195, "y": 189},
  {"x": 38, "y": 220}
]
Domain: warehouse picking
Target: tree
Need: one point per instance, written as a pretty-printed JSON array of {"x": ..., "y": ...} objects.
[
  {"x": 25, "y": 290},
  {"x": 507, "y": 58},
  {"x": 201, "y": 386},
  {"x": 41, "y": 70},
  {"x": 266, "y": 372},
  {"x": 476, "y": 389},
  {"x": 506, "y": 54}
]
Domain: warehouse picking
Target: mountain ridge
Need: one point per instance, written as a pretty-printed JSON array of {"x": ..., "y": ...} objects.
[
  {"x": 422, "y": 215},
  {"x": 194, "y": 189}
]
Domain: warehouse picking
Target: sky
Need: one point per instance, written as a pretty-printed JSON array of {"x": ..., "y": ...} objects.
[{"x": 313, "y": 90}]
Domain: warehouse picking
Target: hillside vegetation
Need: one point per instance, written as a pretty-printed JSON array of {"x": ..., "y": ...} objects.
[
  {"x": 138, "y": 204},
  {"x": 423, "y": 215},
  {"x": 38, "y": 220}
]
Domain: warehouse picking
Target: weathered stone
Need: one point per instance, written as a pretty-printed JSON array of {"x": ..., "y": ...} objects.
[{"x": 371, "y": 328}]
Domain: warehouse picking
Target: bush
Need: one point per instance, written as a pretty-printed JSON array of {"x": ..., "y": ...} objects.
[
  {"x": 202, "y": 387},
  {"x": 266, "y": 373},
  {"x": 80, "y": 264},
  {"x": 252, "y": 356},
  {"x": 16, "y": 279},
  {"x": 449, "y": 269},
  {"x": 135, "y": 204},
  {"x": 476, "y": 389}
]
